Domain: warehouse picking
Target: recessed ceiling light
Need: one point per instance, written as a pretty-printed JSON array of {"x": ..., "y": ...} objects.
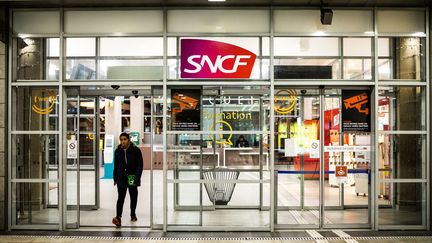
[{"x": 216, "y": 0}]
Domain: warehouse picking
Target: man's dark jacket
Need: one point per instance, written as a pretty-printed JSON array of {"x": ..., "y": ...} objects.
[{"x": 129, "y": 163}]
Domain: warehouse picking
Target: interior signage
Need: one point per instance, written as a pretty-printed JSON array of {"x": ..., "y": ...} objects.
[
  {"x": 44, "y": 104},
  {"x": 228, "y": 100},
  {"x": 355, "y": 111},
  {"x": 228, "y": 115},
  {"x": 341, "y": 171},
  {"x": 223, "y": 125},
  {"x": 185, "y": 109},
  {"x": 214, "y": 60},
  {"x": 285, "y": 101},
  {"x": 346, "y": 148}
]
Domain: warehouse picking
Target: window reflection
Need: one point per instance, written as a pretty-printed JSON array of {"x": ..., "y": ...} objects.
[
  {"x": 394, "y": 105},
  {"x": 401, "y": 58},
  {"x": 36, "y": 58}
]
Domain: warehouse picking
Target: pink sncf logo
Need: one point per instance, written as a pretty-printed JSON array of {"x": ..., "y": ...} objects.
[{"x": 214, "y": 59}]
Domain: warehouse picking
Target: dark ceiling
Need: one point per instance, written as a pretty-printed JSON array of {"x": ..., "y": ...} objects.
[{"x": 126, "y": 3}]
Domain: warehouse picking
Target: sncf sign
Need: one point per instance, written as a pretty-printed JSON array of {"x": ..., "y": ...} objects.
[{"x": 214, "y": 59}]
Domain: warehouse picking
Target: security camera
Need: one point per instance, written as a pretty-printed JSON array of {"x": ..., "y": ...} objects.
[
  {"x": 135, "y": 93},
  {"x": 326, "y": 16},
  {"x": 115, "y": 87},
  {"x": 303, "y": 91}
]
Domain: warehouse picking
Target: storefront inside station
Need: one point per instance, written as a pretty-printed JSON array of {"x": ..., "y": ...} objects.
[{"x": 247, "y": 119}]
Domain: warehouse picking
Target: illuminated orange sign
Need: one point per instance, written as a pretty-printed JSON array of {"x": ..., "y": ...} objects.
[
  {"x": 357, "y": 102},
  {"x": 44, "y": 105}
]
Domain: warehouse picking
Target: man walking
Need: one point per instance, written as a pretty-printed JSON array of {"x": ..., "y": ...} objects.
[{"x": 128, "y": 166}]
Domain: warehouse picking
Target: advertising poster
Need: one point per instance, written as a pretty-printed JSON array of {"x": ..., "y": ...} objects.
[
  {"x": 356, "y": 111},
  {"x": 185, "y": 109}
]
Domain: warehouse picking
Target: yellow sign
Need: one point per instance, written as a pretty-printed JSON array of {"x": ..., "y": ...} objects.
[
  {"x": 221, "y": 141},
  {"x": 39, "y": 103},
  {"x": 220, "y": 117},
  {"x": 228, "y": 115},
  {"x": 288, "y": 98},
  {"x": 90, "y": 136}
]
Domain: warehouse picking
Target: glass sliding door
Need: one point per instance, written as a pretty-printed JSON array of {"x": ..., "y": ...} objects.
[
  {"x": 184, "y": 173},
  {"x": 237, "y": 178},
  {"x": 80, "y": 164},
  {"x": 155, "y": 148},
  {"x": 91, "y": 117},
  {"x": 218, "y": 158},
  {"x": 184, "y": 159},
  {"x": 322, "y": 157},
  {"x": 297, "y": 157},
  {"x": 347, "y": 148},
  {"x": 72, "y": 162},
  {"x": 86, "y": 127}
]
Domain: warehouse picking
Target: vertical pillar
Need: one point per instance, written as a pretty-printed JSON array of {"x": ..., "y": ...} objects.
[
  {"x": 408, "y": 158},
  {"x": 3, "y": 94},
  {"x": 3, "y": 161}
]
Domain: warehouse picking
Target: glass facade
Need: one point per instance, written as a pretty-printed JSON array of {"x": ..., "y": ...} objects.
[{"x": 330, "y": 128}]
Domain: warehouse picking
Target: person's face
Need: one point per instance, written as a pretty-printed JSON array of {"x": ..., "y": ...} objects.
[{"x": 124, "y": 141}]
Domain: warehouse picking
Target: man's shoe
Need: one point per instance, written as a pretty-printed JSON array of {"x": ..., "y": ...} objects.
[
  {"x": 134, "y": 218},
  {"x": 116, "y": 221}
]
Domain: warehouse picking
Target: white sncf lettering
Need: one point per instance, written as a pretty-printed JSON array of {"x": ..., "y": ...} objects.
[
  {"x": 193, "y": 63},
  {"x": 198, "y": 62}
]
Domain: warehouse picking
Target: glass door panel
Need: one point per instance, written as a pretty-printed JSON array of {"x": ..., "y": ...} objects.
[
  {"x": 234, "y": 183},
  {"x": 217, "y": 175},
  {"x": 156, "y": 173},
  {"x": 71, "y": 158},
  {"x": 305, "y": 173},
  {"x": 184, "y": 173},
  {"x": 88, "y": 166},
  {"x": 347, "y": 148},
  {"x": 297, "y": 156},
  {"x": 81, "y": 177},
  {"x": 35, "y": 163}
]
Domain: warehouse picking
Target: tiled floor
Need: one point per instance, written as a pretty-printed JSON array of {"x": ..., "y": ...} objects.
[{"x": 195, "y": 237}]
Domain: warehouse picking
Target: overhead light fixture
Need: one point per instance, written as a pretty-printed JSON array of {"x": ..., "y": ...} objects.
[
  {"x": 319, "y": 33},
  {"x": 216, "y": 0},
  {"x": 419, "y": 34}
]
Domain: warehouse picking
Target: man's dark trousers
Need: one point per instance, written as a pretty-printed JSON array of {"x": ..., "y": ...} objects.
[{"x": 133, "y": 193}]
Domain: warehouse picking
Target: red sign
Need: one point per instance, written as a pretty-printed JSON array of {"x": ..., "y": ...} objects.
[
  {"x": 214, "y": 60},
  {"x": 341, "y": 171}
]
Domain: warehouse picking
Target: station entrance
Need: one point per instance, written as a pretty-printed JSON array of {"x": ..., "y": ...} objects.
[
  {"x": 218, "y": 170},
  {"x": 220, "y": 165}
]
